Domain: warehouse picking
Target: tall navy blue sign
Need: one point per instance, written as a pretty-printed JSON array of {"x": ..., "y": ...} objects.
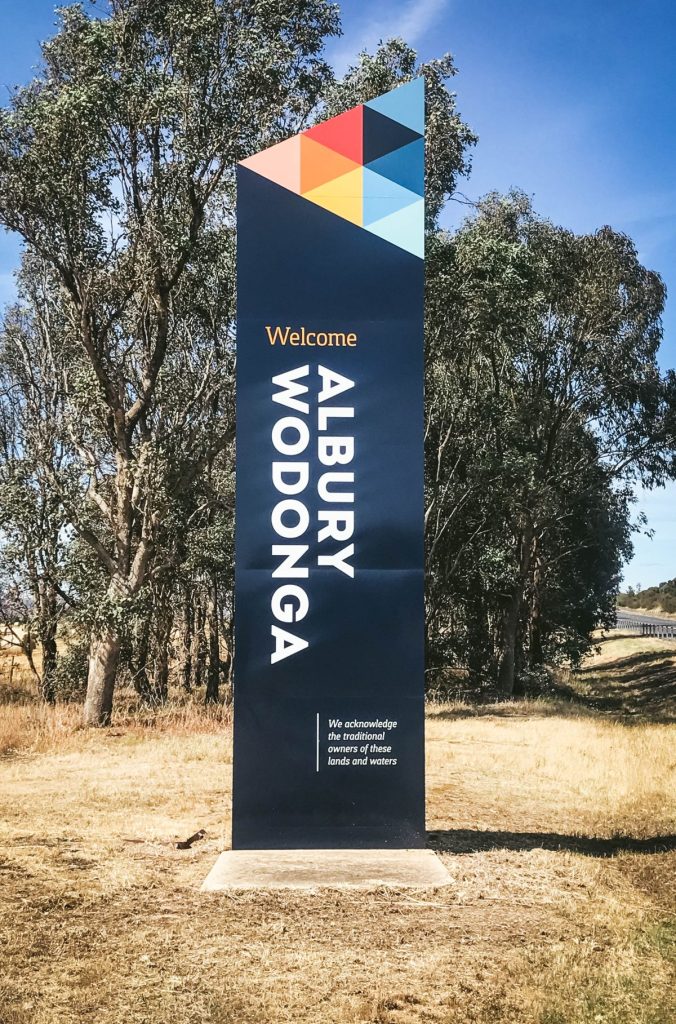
[{"x": 329, "y": 547}]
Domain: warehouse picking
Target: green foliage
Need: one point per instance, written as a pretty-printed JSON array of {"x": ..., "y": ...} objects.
[
  {"x": 544, "y": 402},
  {"x": 70, "y": 676}
]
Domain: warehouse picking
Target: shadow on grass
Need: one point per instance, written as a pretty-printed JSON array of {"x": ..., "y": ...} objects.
[
  {"x": 462, "y": 841},
  {"x": 630, "y": 690},
  {"x": 641, "y": 686}
]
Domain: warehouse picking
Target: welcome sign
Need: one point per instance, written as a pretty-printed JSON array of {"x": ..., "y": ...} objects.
[{"x": 328, "y": 748}]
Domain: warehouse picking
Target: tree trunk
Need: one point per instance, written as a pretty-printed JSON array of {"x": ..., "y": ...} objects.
[
  {"x": 104, "y": 655},
  {"x": 535, "y": 652},
  {"x": 141, "y": 655},
  {"x": 163, "y": 626},
  {"x": 46, "y": 633},
  {"x": 186, "y": 653},
  {"x": 512, "y": 616},
  {"x": 231, "y": 644},
  {"x": 199, "y": 654},
  {"x": 508, "y": 656},
  {"x": 161, "y": 675},
  {"x": 519, "y": 688},
  {"x": 479, "y": 642},
  {"x": 214, "y": 665},
  {"x": 49, "y": 656},
  {"x": 125, "y": 582}
]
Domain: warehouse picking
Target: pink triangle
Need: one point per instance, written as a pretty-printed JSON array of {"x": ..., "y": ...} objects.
[{"x": 280, "y": 163}]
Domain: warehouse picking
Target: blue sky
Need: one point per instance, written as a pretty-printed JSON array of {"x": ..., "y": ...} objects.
[{"x": 574, "y": 102}]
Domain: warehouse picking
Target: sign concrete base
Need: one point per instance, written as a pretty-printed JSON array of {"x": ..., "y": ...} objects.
[{"x": 333, "y": 869}]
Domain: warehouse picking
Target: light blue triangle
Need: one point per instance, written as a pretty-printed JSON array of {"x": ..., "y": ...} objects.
[
  {"x": 406, "y": 166},
  {"x": 405, "y": 104},
  {"x": 383, "y": 197},
  {"x": 406, "y": 228}
]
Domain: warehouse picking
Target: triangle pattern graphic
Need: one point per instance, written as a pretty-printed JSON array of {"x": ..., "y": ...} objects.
[
  {"x": 405, "y": 228},
  {"x": 366, "y": 166},
  {"x": 405, "y": 105},
  {"x": 344, "y": 134},
  {"x": 280, "y": 163},
  {"x": 383, "y": 135},
  {"x": 342, "y": 196},
  {"x": 383, "y": 197},
  {"x": 320, "y": 164},
  {"x": 406, "y": 166}
]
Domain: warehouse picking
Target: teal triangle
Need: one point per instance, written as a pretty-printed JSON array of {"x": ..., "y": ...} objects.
[
  {"x": 406, "y": 228},
  {"x": 383, "y": 197},
  {"x": 406, "y": 166},
  {"x": 405, "y": 104}
]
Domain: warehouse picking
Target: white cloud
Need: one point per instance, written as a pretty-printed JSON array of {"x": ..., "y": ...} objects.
[
  {"x": 417, "y": 18},
  {"x": 410, "y": 21}
]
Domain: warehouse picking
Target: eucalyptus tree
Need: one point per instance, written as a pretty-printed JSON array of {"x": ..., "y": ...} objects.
[
  {"x": 577, "y": 562},
  {"x": 115, "y": 163},
  {"x": 34, "y": 536},
  {"x": 567, "y": 400}
]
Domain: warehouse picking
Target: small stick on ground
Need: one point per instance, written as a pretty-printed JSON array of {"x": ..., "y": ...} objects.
[{"x": 187, "y": 843}]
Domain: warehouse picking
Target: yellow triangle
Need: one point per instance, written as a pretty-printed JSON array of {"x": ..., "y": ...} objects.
[{"x": 343, "y": 196}]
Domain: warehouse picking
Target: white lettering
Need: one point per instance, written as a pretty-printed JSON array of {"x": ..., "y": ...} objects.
[
  {"x": 334, "y": 451},
  {"x": 288, "y": 568},
  {"x": 294, "y": 507},
  {"x": 286, "y": 644},
  {"x": 335, "y": 530},
  {"x": 290, "y": 517},
  {"x": 333, "y": 384},
  {"x": 288, "y": 447},
  {"x": 335, "y": 412},
  {"x": 292, "y": 389},
  {"x": 301, "y": 470},
  {"x": 338, "y": 561},
  {"x": 283, "y": 607},
  {"x": 332, "y": 495}
]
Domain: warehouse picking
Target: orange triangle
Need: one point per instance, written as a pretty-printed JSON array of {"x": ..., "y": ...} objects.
[
  {"x": 280, "y": 163},
  {"x": 319, "y": 164},
  {"x": 344, "y": 134}
]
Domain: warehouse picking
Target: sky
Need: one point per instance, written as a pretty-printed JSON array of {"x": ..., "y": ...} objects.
[{"x": 575, "y": 103}]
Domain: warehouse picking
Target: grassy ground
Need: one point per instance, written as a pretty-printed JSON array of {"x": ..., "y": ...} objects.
[{"x": 556, "y": 820}]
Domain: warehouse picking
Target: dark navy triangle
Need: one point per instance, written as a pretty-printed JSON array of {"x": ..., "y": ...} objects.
[{"x": 382, "y": 135}]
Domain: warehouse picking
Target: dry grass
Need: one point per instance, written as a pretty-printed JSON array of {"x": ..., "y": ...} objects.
[
  {"x": 557, "y": 828},
  {"x": 657, "y": 611},
  {"x": 28, "y": 727}
]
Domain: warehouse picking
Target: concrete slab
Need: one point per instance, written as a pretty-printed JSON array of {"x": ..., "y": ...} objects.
[{"x": 334, "y": 869}]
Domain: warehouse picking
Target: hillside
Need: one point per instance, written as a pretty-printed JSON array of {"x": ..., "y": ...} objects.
[{"x": 661, "y": 598}]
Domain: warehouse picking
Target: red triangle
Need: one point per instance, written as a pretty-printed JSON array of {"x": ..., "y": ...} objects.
[{"x": 343, "y": 134}]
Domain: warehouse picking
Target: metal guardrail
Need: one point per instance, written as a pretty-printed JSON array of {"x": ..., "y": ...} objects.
[{"x": 662, "y": 630}]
